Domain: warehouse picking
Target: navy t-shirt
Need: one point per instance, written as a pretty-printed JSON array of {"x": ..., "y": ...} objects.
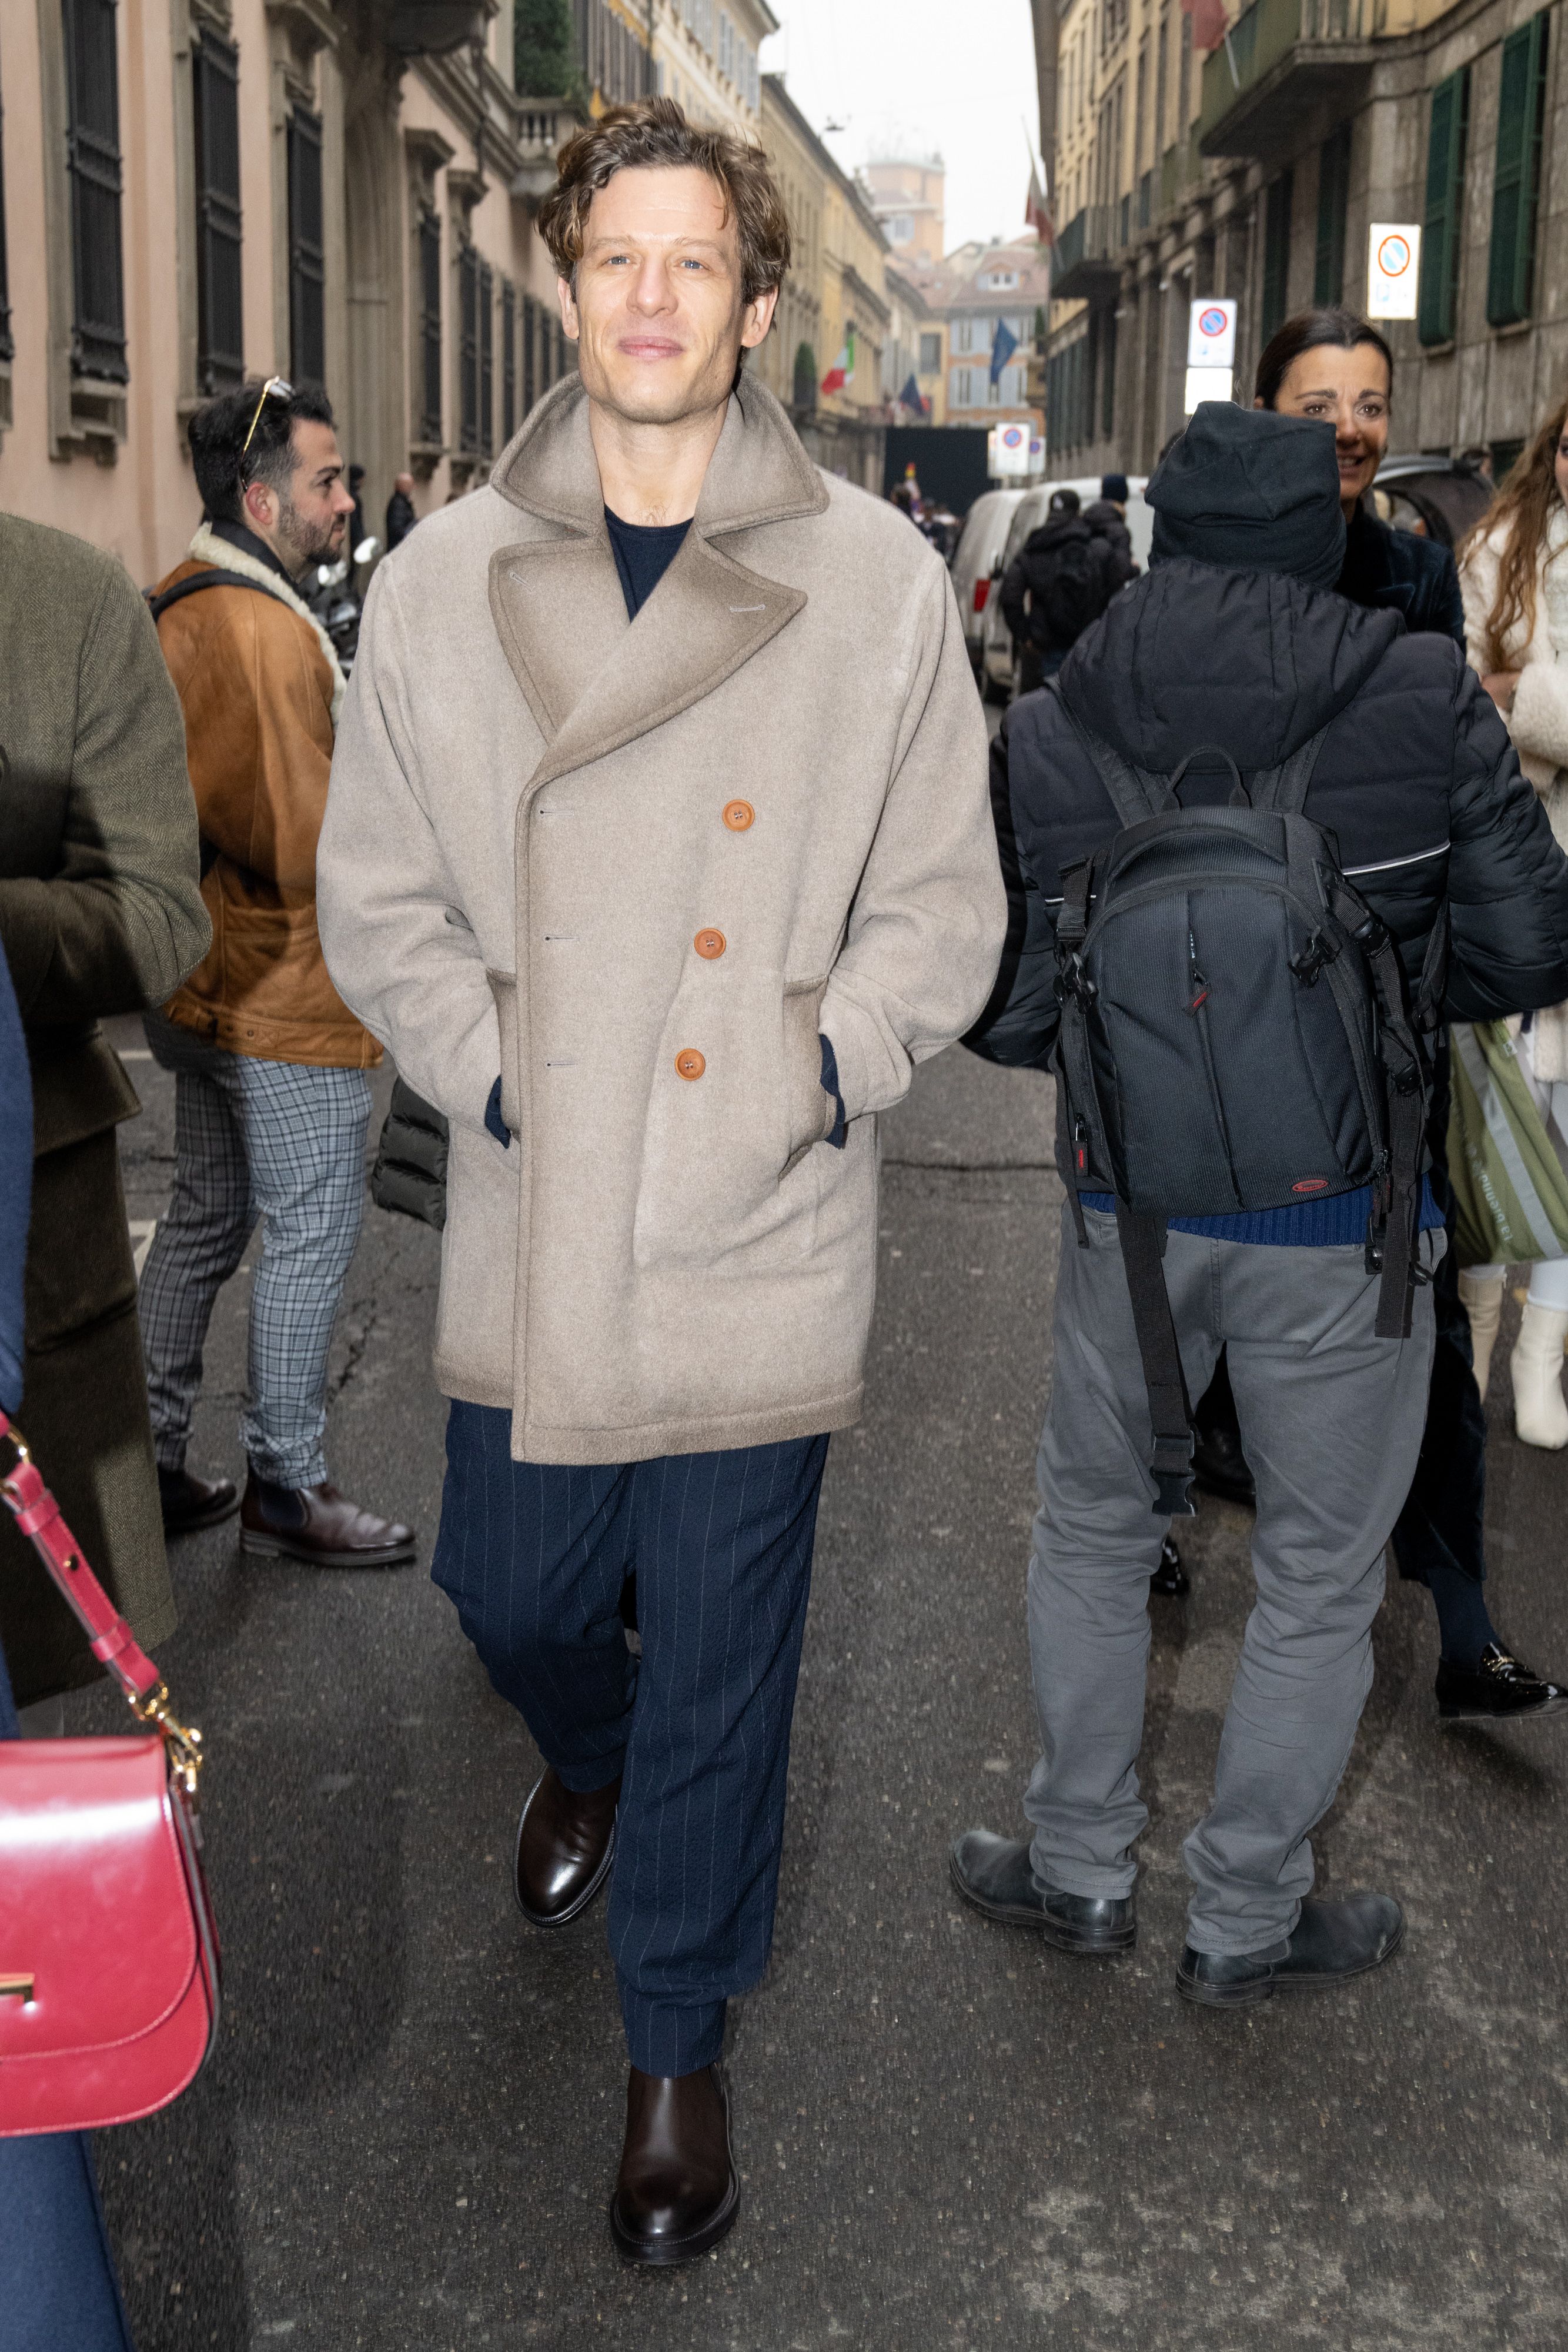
[{"x": 643, "y": 553}]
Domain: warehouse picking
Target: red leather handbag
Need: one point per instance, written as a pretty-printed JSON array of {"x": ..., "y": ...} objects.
[{"x": 108, "y": 1954}]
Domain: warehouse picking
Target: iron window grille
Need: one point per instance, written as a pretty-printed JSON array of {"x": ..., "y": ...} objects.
[
  {"x": 530, "y": 364},
  {"x": 468, "y": 352},
  {"x": 220, "y": 318},
  {"x": 307, "y": 251},
  {"x": 508, "y": 362},
  {"x": 1334, "y": 207},
  {"x": 93, "y": 164},
  {"x": 429, "y": 258},
  {"x": 486, "y": 360}
]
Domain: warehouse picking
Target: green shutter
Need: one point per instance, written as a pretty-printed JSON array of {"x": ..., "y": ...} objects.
[
  {"x": 1333, "y": 203},
  {"x": 1440, "y": 222},
  {"x": 1276, "y": 255},
  {"x": 1521, "y": 106}
]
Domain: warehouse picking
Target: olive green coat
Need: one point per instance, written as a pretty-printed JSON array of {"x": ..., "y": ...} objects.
[{"x": 100, "y": 912}]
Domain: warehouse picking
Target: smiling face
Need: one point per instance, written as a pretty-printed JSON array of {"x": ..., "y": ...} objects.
[
  {"x": 657, "y": 309},
  {"x": 1349, "y": 390}
]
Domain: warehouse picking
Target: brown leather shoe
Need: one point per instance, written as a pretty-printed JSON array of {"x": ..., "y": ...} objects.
[
  {"x": 566, "y": 1844},
  {"x": 188, "y": 1502},
  {"x": 678, "y": 2190},
  {"x": 318, "y": 1525}
]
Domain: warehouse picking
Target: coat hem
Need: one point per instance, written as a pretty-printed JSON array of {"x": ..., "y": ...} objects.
[
  {"x": 581, "y": 1448},
  {"x": 268, "y": 1041}
]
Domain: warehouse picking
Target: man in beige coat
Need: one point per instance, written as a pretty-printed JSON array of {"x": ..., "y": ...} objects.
[{"x": 658, "y": 851}]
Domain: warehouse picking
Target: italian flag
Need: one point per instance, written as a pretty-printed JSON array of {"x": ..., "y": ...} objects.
[{"x": 843, "y": 367}]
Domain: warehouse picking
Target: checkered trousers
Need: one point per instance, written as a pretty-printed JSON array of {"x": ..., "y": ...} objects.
[{"x": 280, "y": 1142}]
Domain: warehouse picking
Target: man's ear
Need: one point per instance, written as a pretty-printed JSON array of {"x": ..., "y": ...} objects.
[
  {"x": 567, "y": 301},
  {"x": 758, "y": 318}
]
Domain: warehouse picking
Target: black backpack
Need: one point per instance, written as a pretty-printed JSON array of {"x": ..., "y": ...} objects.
[
  {"x": 1075, "y": 589},
  {"x": 1233, "y": 1036}
]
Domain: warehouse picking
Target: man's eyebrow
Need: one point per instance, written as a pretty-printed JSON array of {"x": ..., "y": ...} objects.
[{"x": 637, "y": 237}]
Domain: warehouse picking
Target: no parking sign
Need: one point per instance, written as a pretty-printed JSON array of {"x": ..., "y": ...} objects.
[
  {"x": 1393, "y": 270},
  {"x": 1011, "y": 449},
  {"x": 1211, "y": 333}
]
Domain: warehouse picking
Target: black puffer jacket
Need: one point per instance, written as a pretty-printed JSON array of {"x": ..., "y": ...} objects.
[
  {"x": 1068, "y": 571},
  {"x": 1416, "y": 778}
]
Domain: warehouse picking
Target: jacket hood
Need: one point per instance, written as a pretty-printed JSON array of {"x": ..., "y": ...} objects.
[
  {"x": 1254, "y": 661},
  {"x": 1056, "y": 533}
]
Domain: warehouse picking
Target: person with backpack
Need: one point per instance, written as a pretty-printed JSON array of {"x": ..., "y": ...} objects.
[
  {"x": 1061, "y": 578},
  {"x": 1257, "y": 841}
]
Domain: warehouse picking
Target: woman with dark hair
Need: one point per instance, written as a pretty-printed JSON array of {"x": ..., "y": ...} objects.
[
  {"x": 1332, "y": 364},
  {"x": 1516, "y": 603}
]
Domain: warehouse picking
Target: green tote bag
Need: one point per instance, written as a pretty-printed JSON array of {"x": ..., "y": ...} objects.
[{"x": 1510, "y": 1189}]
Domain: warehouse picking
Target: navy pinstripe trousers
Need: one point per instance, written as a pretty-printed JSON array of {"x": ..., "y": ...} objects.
[{"x": 534, "y": 1556}]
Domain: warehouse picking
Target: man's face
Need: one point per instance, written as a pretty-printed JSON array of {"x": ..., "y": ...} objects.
[
  {"x": 657, "y": 312},
  {"x": 305, "y": 522}
]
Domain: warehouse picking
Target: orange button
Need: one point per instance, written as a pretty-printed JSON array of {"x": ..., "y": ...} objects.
[
  {"x": 710, "y": 944},
  {"x": 689, "y": 1063},
  {"x": 739, "y": 814}
]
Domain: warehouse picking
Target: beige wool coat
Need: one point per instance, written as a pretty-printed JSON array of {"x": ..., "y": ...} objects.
[
  {"x": 635, "y": 867},
  {"x": 1538, "y": 723}
]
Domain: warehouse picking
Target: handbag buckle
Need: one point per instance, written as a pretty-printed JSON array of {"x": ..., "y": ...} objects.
[{"x": 184, "y": 1741}]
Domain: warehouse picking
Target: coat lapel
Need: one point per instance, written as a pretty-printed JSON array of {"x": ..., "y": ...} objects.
[{"x": 593, "y": 680}]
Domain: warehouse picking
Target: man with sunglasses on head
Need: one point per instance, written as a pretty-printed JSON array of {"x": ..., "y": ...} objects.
[{"x": 272, "y": 1098}]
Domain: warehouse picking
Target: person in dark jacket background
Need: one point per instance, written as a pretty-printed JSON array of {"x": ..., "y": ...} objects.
[
  {"x": 401, "y": 515},
  {"x": 57, "y": 2283},
  {"x": 100, "y": 912},
  {"x": 1235, "y": 638},
  {"x": 1107, "y": 514},
  {"x": 1332, "y": 364},
  {"x": 1061, "y": 578}
]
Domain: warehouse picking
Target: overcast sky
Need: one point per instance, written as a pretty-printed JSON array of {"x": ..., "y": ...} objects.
[{"x": 956, "y": 76}]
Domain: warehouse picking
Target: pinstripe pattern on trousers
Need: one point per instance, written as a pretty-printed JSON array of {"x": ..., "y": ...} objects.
[
  {"x": 284, "y": 1141},
  {"x": 534, "y": 1556}
]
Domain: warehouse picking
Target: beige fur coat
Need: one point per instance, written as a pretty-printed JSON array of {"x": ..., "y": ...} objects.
[{"x": 1539, "y": 721}]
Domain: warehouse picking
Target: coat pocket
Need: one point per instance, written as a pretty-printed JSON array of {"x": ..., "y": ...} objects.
[
  {"x": 504, "y": 989},
  {"x": 735, "y": 1104}
]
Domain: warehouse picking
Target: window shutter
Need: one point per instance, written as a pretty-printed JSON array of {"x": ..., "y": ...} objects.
[
  {"x": 530, "y": 370},
  {"x": 1440, "y": 219},
  {"x": 92, "y": 161},
  {"x": 430, "y": 329},
  {"x": 1276, "y": 256},
  {"x": 468, "y": 351},
  {"x": 1108, "y": 375},
  {"x": 1333, "y": 203},
  {"x": 7, "y": 349},
  {"x": 508, "y": 362},
  {"x": 307, "y": 251},
  {"x": 220, "y": 318},
  {"x": 486, "y": 358},
  {"x": 1516, "y": 185}
]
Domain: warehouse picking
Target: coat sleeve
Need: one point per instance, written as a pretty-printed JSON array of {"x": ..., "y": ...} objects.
[
  {"x": 928, "y": 922},
  {"x": 399, "y": 952},
  {"x": 1508, "y": 880},
  {"x": 120, "y": 923},
  {"x": 1448, "y": 603},
  {"x": 1478, "y": 586},
  {"x": 1011, "y": 596},
  {"x": 1019, "y": 1021}
]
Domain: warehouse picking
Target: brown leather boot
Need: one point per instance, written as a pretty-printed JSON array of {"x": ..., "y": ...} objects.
[
  {"x": 318, "y": 1526},
  {"x": 188, "y": 1502},
  {"x": 678, "y": 2190},
  {"x": 566, "y": 1844}
]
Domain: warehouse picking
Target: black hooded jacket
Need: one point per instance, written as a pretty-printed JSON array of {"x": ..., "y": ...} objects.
[
  {"x": 1069, "y": 568},
  {"x": 1416, "y": 777}
]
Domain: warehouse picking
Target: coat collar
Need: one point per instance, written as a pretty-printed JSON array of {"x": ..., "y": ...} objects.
[
  {"x": 592, "y": 679},
  {"x": 230, "y": 556}
]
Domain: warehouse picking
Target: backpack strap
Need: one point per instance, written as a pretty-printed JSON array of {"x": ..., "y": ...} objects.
[
  {"x": 1143, "y": 1241},
  {"x": 1135, "y": 792},
  {"x": 214, "y": 578},
  {"x": 1283, "y": 789},
  {"x": 1392, "y": 1239}
]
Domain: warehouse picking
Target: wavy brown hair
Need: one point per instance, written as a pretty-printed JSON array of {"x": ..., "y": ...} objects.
[
  {"x": 654, "y": 133},
  {"x": 1525, "y": 504}
]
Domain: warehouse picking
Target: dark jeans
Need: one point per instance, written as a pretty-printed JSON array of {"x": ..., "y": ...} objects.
[
  {"x": 57, "y": 2287},
  {"x": 535, "y": 1558}
]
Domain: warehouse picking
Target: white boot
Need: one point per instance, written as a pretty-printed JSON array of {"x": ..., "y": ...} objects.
[
  {"x": 1482, "y": 1302},
  {"x": 1539, "y": 1414}
]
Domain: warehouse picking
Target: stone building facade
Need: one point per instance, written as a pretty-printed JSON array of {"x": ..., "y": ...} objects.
[{"x": 1255, "y": 169}]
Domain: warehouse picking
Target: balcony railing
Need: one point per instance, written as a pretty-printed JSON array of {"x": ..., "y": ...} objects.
[
  {"x": 1085, "y": 261},
  {"x": 1278, "y": 56}
]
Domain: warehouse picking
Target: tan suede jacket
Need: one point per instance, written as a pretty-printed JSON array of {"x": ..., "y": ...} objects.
[{"x": 257, "y": 688}]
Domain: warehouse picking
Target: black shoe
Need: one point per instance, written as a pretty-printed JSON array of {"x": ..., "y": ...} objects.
[
  {"x": 1170, "y": 1579},
  {"x": 1497, "y": 1685},
  {"x": 1330, "y": 1942},
  {"x": 994, "y": 1874},
  {"x": 1218, "y": 1464},
  {"x": 189, "y": 1502},
  {"x": 678, "y": 2190}
]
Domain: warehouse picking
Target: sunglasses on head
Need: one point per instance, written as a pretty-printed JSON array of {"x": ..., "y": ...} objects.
[{"x": 277, "y": 388}]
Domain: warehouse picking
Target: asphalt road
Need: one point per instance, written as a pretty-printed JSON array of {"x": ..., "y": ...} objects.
[{"x": 949, "y": 2138}]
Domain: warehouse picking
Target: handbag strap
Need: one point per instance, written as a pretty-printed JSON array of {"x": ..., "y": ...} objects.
[{"x": 38, "y": 1518}]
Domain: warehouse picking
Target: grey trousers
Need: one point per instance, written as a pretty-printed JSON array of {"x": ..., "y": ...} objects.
[
  {"x": 1330, "y": 1419},
  {"x": 284, "y": 1142}
]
